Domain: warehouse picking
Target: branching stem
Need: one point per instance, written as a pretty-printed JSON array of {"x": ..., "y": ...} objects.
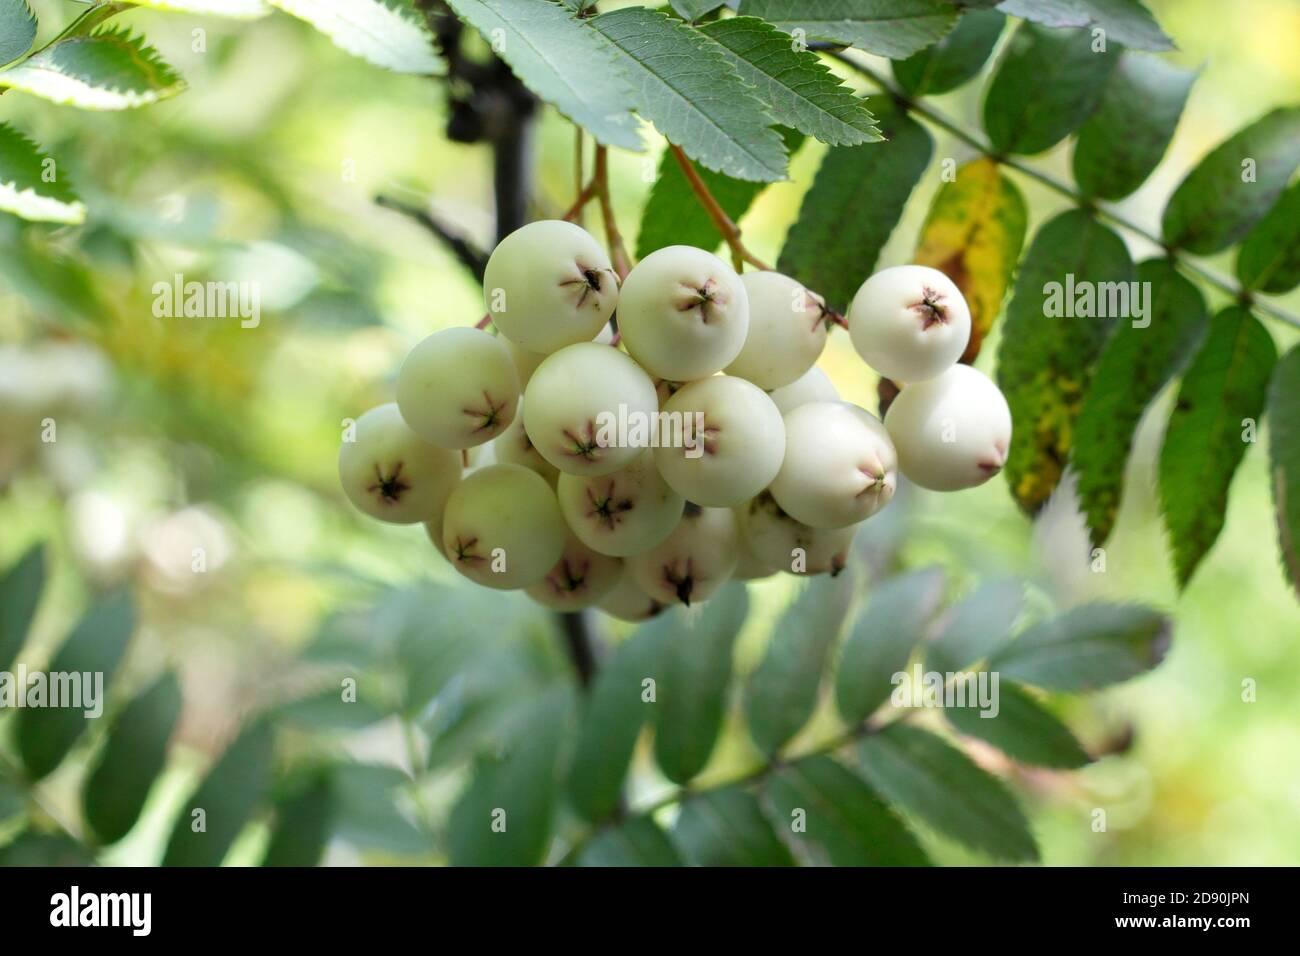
[
  {"x": 470, "y": 256},
  {"x": 748, "y": 777},
  {"x": 585, "y": 195}
]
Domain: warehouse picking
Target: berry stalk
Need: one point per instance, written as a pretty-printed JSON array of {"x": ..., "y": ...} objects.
[
  {"x": 724, "y": 223},
  {"x": 731, "y": 234},
  {"x": 617, "y": 250}
]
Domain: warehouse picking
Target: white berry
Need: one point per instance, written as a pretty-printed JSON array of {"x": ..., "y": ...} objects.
[
  {"x": 777, "y": 540},
  {"x": 751, "y": 567},
  {"x": 579, "y": 579},
  {"x": 787, "y": 330},
  {"x": 909, "y": 323},
  {"x": 391, "y": 473},
  {"x": 694, "y": 561},
  {"x": 951, "y": 432},
  {"x": 813, "y": 386},
  {"x": 548, "y": 285},
  {"x": 574, "y": 402},
  {"x": 624, "y": 512},
  {"x": 840, "y": 465},
  {"x": 514, "y": 447},
  {"x": 458, "y": 388},
  {"x": 627, "y": 602},
  {"x": 526, "y": 362},
  {"x": 733, "y": 441},
  {"x": 683, "y": 313},
  {"x": 502, "y": 527}
]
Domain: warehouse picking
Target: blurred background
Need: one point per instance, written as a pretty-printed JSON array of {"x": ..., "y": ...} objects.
[{"x": 178, "y": 433}]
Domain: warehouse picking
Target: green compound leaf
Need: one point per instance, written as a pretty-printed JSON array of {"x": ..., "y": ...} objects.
[
  {"x": 1136, "y": 363},
  {"x": 612, "y": 718},
  {"x": 1269, "y": 258},
  {"x": 976, "y": 626},
  {"x": 1092, "y": 646},
  {"x": 505, "y": 815},
  {"x": 692, "y": 683},
  {"x": 1075, "y": 269},
  {"x": 892, "y": 28},
  {"x": 782, "y": 692},
  {"x": 955, "y": 59},
  {"x": 1124, "y": 140},
  {"x": 110, "y": 70},
  {"x": 883, "y": 638},
  {"x": 673, "y": 214},
  {"x": 1124, "y": 21},
  {"x": 91, "y": 655},
  {"x": 330, "y": 710},
  {"x": 797, "y": 88},
  {"x": 637, "y": 842},
  {"x": 1284, "y": 459},
  {"x": 1235, "y": 185},
  {"x": 694, "y": 9},
  {"x": 939, "y": 784},
  {"x": 1047, "y": 84},
  {"x": 21, "y": 587},
  {"x": 819, "y": 801},
  {"x": 132, "y": 759},
  {"x": 366, "y": 810},
  {"x": 13, "y": 799},
  {"x": 973, "y": 234},
  {"x": 304, "y": 817},
  {"x": 1021, "y": 728},
  {"x": 17, "y": 29},
  {"x": 381, "y": 33},
  {"x": 44, "y": 850},
  {"x": 52, "y": 278},
  {"x": 853, "y": 205},
  {"x": 686, "y": 85},
  {"x": 1213, "y": 421},
  {"x": 726, "y": 827},
  {"x": 557, "y": 57},
  {"x": 30, "y": 185},
  {"x": 230, "y": 9},
  {"x": 228, "y": 795}
]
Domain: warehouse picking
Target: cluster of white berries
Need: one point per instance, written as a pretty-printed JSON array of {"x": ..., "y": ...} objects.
[{"x": 701, "y": 444}]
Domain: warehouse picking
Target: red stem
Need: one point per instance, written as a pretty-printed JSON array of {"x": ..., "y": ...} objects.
[
  {"x": 721, "y": 221},
  {"x": 617, "y": 251}
]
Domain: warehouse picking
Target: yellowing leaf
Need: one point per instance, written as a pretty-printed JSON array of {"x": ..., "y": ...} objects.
[
  {"x": 1052, "y": 335},
  {"x": 973, "y": 234}
]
